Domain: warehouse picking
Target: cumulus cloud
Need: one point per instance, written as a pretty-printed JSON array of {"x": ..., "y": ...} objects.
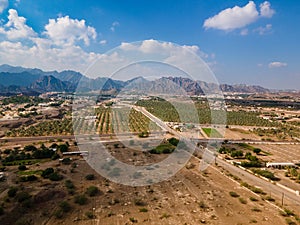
[
  {"x": 163, "y": 48},
  {"x": 16, "y": 27},
  {"x": 183, "y": 57},
  {"x": 264, "y": 30},
  {"x": 238, "y": 17},
  {"x": 233, "y": 18},
  {"x": 71, "y": 57},
  {"x": 59, "y": 47},
  {"x": 3, "y": 5},
  {"x": 154, "y": 46},
  {"x": 22, "y": 46},
  {"x": 277, "y": 64},
  {"x": 114, "y": 25},
  {"x": 265, "y": 10},
  {"x": 67, "y": 31}
]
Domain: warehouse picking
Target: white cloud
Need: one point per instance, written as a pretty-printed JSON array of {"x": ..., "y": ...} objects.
[
  {"x": 233, "y": 18},
  {"x": 66, "y": 31},
  {"x": 103, "y": 42},
  {"x": 277, "y": 64},
  {"x": 264, "y": 30},
  {"x": 114, "y": 25},
  {"x": 22, "y": 46},
  {"x": 52, "y": 50},
  {"x": 265, "y": 10},
  {"x": 244, "y": 32},
  {"x": 154, "y": 46},
  {"x": 184, "y": 57},
  {"x": 39, "y": 56},
  {"x": 3, "y": 5},
  {"x": 238, "y": 17},
  {"x": 16, "y": 27},
  {"x": 17, "y": 2}
]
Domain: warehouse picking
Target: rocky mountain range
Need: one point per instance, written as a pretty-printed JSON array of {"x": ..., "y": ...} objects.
[{"x": 15, "y": 80}]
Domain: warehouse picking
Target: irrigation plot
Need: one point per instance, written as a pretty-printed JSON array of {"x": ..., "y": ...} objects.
[{"x": 114, "y": 120}]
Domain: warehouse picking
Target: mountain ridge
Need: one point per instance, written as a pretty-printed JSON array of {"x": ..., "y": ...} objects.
[{"x": 22, "y": 80}]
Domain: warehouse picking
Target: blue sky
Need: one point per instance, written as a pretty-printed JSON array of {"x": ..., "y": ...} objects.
[{"x": 252, "y": 42}]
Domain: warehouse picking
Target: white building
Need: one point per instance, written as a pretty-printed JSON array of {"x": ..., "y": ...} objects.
[{"x": 280, "y": 164}]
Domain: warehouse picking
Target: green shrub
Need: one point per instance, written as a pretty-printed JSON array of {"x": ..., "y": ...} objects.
[
  {"x": 47, "y": 172},
  {"x": 165, "y": 216},
  {"x": 139, "y": 202},
  {"x": 80, "y": 199},
  {"x": 143, "y": 134},
  {"x": 253, "y": 199},
  {"x": 30, "y": 148},
  {"x": 143, "y": 210},
  {"x": 22, "y": 196},
  {"x": 251, "y": 164},
  {"x": 265, "y": 173},
  {"x": 237, "y": 154},
  {"x": 255, "y": 209},
  {"x": 55, "y": 156},
  {"x": 28, "y": 178},
  {"x": 270, "y": 199},
  {"x": 92, "y": 191},
  {"x": 65, "y": 206},
  {"x": 173, "y": 141},
  {"x": 234, "y": 194},
  {"x": 289, "y": 212},
  {"x": 69, "y": 184},
  {"x": 55, "y": 176},
  {"x": 290, "y": 222},
  {"x": 66, "y": 161},
  {"x": 22, "y": 167},
  {"x": 257, "y": 150},
  {"x": 12, "y": 192},
  {"x": 90, "y": 177},
  {"x": 133, "y": 220},
  {"x": 243, "y": 201},
  {"x": 1, "y": 211},
  {"x": 63, "y": 148},
  {"x": 58, "y": 214},
  {"x": 257, "y": 190},
  {"x": 7, "y": 151}
]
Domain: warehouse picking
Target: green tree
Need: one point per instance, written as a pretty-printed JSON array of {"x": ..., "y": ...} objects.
[{"x": 257, "y": 150}]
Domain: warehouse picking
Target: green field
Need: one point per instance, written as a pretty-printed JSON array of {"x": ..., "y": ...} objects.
[
  {"x": 211, "y": 132},
  {"x": 169, "y": 112}
]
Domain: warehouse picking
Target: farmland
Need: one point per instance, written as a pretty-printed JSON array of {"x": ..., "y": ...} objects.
[
  {"x": 107, "y": 121},
  {"x": 167, "y": 112},
  {"x": 198, "y": 196},
  {"x": 211, "y": 132}
]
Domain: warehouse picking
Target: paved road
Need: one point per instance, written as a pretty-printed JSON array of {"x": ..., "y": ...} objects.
[
  {"x": 267, "y": 186},
  {"x": 244, "y": 175},
  {"x": 39, "y": 138}
]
